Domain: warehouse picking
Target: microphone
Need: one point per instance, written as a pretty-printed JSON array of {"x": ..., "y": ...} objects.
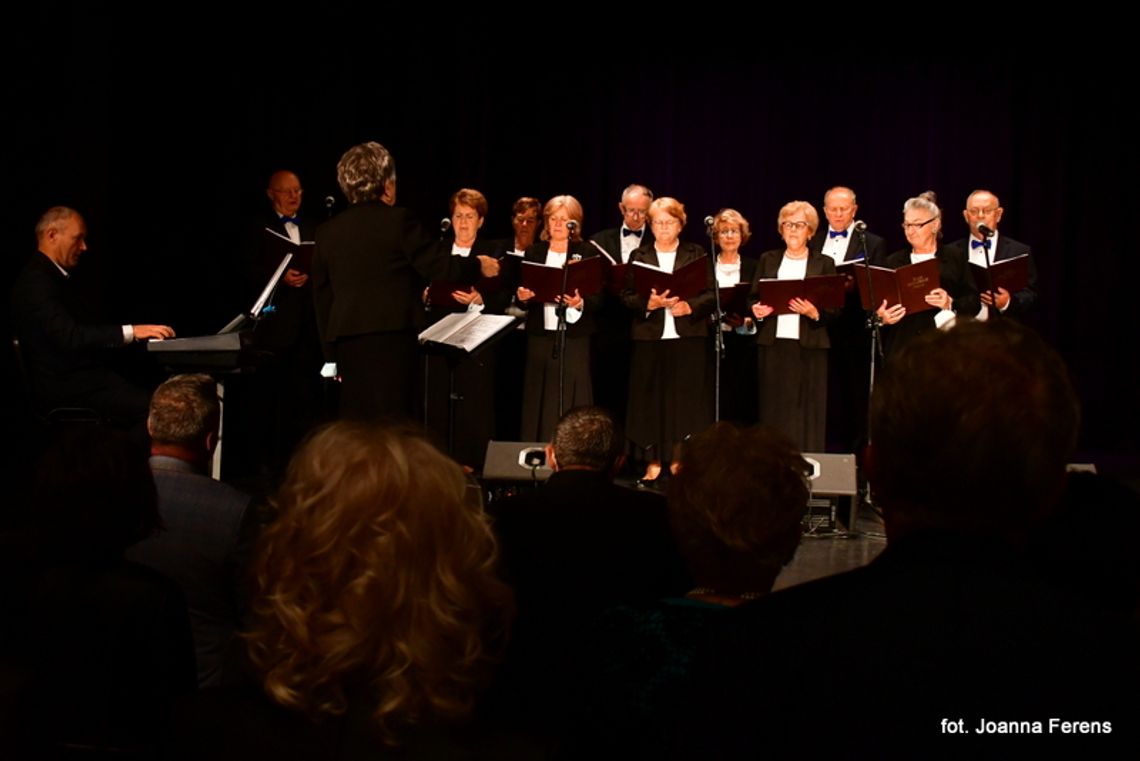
[
  {"x": 860, "y": 226},
  {"x": 445, "y": 224},
  {"x": 571, "y": 226},
  {"x": 329, "y": 202},
  {"x": 985, "y": 231},
  {"x": 709, "y": 221}
]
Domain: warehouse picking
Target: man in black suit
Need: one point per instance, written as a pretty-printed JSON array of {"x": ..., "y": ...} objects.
[
  {"x": 60, "y": 345},
  {"x": 848, "y": 368},
  {"x": 209, "y": 525},
  {"x": 611, "y": 347},
  {"x": 572, "y": 548},
  {"x": 954, "y": 620},
  {"x": 281, "y": 401},
  {"x": 839, "y": 240},
  {"x": 370, "y": 266},
  {"x": 984, "y": 209}
]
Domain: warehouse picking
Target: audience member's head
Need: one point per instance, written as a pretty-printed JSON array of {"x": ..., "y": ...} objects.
[
  {"x": 736, "y": 505},
  {"x": 184, "y": 417},
  {"x": 94, "y": 496},
  {"x": 586, "y": 438},
  {"x": 972, "y": 430},
  {"x": 376, "y": 582}
]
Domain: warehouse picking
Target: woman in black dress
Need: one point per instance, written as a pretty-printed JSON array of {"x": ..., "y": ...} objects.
[
  {"x": 472, "y": 378},
  {"x": 738, "y": 368},
  {"x": 670, "y": 386},
  {"x": 792, "y": 347},
  {"x": 561, "y": 243}
]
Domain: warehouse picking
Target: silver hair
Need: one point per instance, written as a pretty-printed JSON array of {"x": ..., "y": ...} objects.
[
  {"x": 364, "y": 170},
  {"x": 54, "y": 218},
  {"x": 925, "y": 202},
  {"x": 636, "y": 189}
]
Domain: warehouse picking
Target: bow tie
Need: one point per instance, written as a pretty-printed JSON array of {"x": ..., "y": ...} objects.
[
  {"x": 626, "y": 231},
  {"x": 975, "y": 243},
  {"x": 294, "y": 220},
  {"x": 839, "y": 234}
]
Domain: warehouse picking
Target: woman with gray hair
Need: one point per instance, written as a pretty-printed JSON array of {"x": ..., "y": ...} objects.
[
  {"x": 369, "y": 264},
  {"x": 955, "y": 294},
  {"x": 792, "y": 347}
]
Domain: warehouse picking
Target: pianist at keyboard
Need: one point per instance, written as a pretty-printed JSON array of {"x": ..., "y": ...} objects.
[{"x": 61, "y": 349}]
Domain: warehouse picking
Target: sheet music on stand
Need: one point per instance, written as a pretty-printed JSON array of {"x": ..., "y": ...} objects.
[{"x": 467, "y": 330}]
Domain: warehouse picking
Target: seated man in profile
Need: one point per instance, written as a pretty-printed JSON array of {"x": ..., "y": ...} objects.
[
  {"x": 60, "y": 347},
  {"x": 209, "y": 525},
  {"x": 972, "y": 429}
]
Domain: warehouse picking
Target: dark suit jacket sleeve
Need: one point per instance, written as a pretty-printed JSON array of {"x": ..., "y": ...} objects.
[
  {"x": 632, "y": 300},
  {"x": 704, "y": 303},
  {"x": 322, "y": 297},
  {"x": 1023, "y": 301},
  {"x": 41, "y": 314},
  {"x": 959, "y": 281}
]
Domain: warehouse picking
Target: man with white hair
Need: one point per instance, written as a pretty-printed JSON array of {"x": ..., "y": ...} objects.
[{"x": 61, "y": 346}]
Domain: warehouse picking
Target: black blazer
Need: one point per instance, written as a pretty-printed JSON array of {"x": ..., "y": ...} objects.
[
  {"x": 813, "y": 334},
  {"x": 61, "y": 351},
  {"x": 955, "y": 278},
  {"x": 610, "y": 240},
  {"x": 369, "y": 267},
  {"x": 876, "y": 246},
  {"x": 495, "y": 297},
  {"x": 747, "y": 274},
  {"x": 648, "y": 327},
  {"x": 1023, "y": 301},
  {"x": 292, "y": 316},
  {"x": 534, "y": 322}
]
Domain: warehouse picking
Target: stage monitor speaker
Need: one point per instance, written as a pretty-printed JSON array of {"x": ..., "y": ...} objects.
[
  {"x": 834, "y": 491},
  {"x": 516, "y": 461}
]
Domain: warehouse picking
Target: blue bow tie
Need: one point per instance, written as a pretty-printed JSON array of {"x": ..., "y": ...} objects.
[
  {"x": 626, "y": 231},
  {"x": 839, "y": 234},
  {"x": 294, "y": 220},
  {"x": 975, "y": 243}
]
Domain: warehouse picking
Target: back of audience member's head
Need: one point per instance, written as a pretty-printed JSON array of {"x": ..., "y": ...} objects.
[
  {"x": 184, "y": 410},
  {"x": 587, "y": 438},
  {"x": 376, "y": 582},
  {"x": 736, "y": 505},
  {"x": 94, "y": 496},
  {"x": 972, "y": 428}
]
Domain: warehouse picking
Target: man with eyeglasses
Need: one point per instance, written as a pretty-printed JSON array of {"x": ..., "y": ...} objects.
[
  {"x": 984, "y": 210},
  {"x": 619, "y": 242},
  {"x": 279, "y": 402},
  {"x": 611, "y": 341}
]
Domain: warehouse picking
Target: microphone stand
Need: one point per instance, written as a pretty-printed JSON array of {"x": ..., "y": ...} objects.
[
  {"x": 718, "y": 324},
  {"x": 992, "y": 308},
  {"x": 875, "y": 324},
  {"x": 560, "y": 310},
  {"x": 444, "y": 226}
]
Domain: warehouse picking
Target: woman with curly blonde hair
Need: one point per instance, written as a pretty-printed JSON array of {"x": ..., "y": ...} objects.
[{"x": 377, "y": 610}]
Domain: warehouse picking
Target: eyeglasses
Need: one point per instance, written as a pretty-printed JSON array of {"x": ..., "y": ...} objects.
[
  {"x": 981, "y": 212},
  {"x": 910, "y": 226},
  {"x": 666, "y": 222},
  {"x": 728, "y": 233},
  {"x": 798, "y": 225},
  {"x": 635, "y": 213}
]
